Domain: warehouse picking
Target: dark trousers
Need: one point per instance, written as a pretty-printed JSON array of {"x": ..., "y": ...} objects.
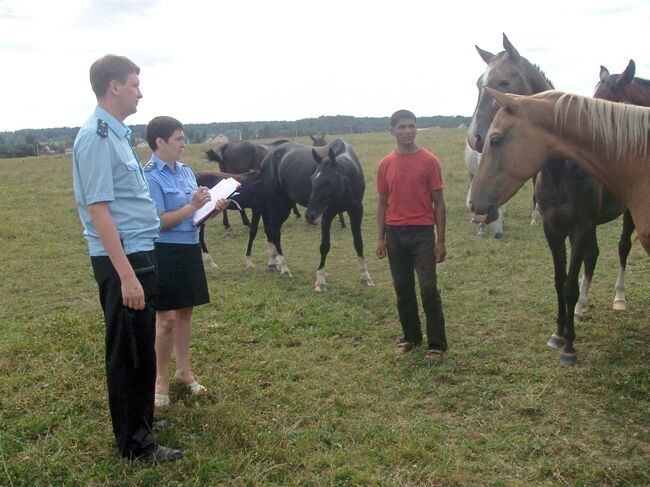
[
  {"x": 410, "y": 248},
  {"x": 130, "y": 353}
]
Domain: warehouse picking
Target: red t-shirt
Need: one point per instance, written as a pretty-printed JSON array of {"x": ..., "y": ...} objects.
[{"x": 408, "y": 180}]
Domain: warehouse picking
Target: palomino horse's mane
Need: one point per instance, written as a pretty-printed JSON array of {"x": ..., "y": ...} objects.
[{"x": 623, "y": 128}]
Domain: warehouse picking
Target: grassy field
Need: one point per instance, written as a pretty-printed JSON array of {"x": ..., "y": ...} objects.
[{"x": 306, "y": 389}]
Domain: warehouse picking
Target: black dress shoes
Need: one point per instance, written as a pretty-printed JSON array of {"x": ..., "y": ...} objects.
[{"x": 162, "y": 454}]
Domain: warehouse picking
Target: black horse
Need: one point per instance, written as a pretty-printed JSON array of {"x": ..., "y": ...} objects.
[
  {"x": 250, "y": 195},
  {"x": 327, "y": 180},
  {"x": 571, "y": 202}
]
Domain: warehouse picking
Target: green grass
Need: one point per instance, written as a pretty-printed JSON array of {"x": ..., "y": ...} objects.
[{"x": 306, "y": 387}]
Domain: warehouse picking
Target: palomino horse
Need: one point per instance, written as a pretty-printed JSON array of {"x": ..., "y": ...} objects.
[
  {"x": 571, "y": 202},
  {"x": 334, "y": 172},
  {"x": 608, "y": 140},
  {"x": 624, "y": 87}
]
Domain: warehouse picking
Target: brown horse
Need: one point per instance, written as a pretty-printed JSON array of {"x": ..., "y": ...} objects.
[
  {"x": 624, "y": 87},
  {"x": 608, "y": 140}
]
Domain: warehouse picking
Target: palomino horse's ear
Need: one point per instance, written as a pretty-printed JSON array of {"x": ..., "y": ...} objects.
[
  {"x": 506, "y": 101},
  {"x": 604, "y": 74},
  {"x": 628, "y": 75},
  {"x": 317, "y": 158},
  {"x": 485, "y": 55},
  {"x": 510, "y": 49}
]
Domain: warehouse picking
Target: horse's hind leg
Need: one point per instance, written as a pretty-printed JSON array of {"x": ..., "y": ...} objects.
[
  {"x": 252, "y": 233},
  {"x": 581, "y": 239},
  {"x": 205, "y": 255},
  {"x": 555, "y": 242},
  {"x": 342, "y": 219},
  {"x": 278, "y": 216},
  {"x": 591, "y": 257},
  {"x": 624, "y": 247}
]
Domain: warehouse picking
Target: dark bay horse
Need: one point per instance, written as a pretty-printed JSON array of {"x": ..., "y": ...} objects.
[
  {"x": 624, "y": 87},
  {"x": 326, "y": 180},
  {"x": 571, "y": 202},
  {"x": 609, "y": 140},
  {"x": 250, "y": 195}
]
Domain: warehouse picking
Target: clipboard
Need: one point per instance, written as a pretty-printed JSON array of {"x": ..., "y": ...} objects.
[{"x": 223, "y": 189}]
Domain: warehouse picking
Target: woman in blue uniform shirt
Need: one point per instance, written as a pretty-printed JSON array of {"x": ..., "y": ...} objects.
[{"x": 182, "y": 283}]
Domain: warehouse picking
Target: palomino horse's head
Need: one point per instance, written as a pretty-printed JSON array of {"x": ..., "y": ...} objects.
[
  {"x": 327, "y": 186},
  {"x": 512, "y": 154},
  {"x": 508, "y": 72}
]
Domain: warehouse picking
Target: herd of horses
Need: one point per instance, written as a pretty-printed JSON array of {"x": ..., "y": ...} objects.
[
  {"x": 587, "y": 157},
  {"x": 590, "y": 160}
]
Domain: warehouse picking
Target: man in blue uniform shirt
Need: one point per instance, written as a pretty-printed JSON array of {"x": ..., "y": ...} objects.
[{"x": 120, "y": 224}]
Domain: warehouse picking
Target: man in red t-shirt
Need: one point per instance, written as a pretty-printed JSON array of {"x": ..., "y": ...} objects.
[{"x": 411, "y": 204}]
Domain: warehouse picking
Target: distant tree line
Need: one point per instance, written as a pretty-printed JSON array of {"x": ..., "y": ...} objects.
[{"x": 23, "y": 143}]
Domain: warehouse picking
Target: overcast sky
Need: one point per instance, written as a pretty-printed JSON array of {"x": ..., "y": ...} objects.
[{"x": 238, "y": 60}]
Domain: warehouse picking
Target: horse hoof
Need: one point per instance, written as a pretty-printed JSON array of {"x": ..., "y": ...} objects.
[
  {"x": 366, "y": 282},
  {"x": 568, "y": 359},
  {"x": 285, "y": 275},
  {"x": 272, "y": 268},
  {"x": 498, "y": 235},
  {"x": 555, "y": 342},
  {"x": 620, "y": 305},
  {"x": 320, "y": 288},
  {"x": 577, "y": 317}
]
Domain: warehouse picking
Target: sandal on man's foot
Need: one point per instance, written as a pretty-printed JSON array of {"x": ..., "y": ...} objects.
[
  {"x": 161, "y": 401},
  {"x": 434, "y": 354},
  {"x": 404, "y": 346}
]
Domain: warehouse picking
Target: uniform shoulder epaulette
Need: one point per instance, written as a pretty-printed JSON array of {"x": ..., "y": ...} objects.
[
  {"x": 102, "y": 128},
  {"x": 149, "y": 166}
]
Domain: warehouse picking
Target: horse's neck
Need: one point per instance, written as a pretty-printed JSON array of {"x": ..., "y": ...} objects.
[
  {"x": 638, "y": 93},
  {"x": 537, "y": 80},
  {"x": 570, "y": 138}
]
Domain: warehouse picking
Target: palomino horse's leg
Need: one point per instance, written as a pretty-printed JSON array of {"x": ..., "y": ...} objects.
[
  {"x": 624, "y": 247},
  {"x": 356, "y": 216},
  {"x": 591, "y": 257},
  {"x": 555, "y": 242},
  {"x": 205, "y": 255}
]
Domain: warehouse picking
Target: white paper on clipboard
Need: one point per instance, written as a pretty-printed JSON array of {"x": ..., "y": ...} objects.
[{"x": 223, "y": 189}]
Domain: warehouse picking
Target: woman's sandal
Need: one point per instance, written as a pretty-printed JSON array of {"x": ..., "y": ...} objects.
[
  {"x": 197, "y": 389},
  {"x": 161, "y": 401}
]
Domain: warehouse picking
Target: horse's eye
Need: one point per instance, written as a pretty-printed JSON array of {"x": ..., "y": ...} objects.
[
  {"x": 503, "y": 84},
  {"x": 495, "y": 139}
]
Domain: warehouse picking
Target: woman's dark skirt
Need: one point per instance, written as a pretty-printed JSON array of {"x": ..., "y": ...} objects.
[{"x": 182, "y": 277}]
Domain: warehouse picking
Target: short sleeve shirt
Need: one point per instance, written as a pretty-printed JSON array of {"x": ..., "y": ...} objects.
[
  {"x": 105, "y": 168},
  {"x": 408, "y": 180},
  {"x": 170, "y": 190}
]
